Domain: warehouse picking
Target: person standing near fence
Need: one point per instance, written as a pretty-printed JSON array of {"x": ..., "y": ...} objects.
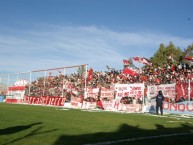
[{"x": 159, "y": 102}]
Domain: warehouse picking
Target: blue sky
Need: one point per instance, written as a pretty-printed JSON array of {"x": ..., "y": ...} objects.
[{"x": 41, "y": 34}]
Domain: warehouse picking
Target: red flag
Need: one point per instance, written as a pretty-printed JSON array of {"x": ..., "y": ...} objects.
[
  {"x": 142, "y": 60},
  {"x": 90, "y": 73},
  {"x": 189, "y": 58},
  {"x": 181, "y": 90},
  {"x": 129, "y": 71},
  {"x": 126, "y": 62}
]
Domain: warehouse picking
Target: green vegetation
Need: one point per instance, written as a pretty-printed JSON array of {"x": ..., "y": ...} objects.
[
  {"x": 161, "y": 57},
  {"x": 40, "y": 125}
]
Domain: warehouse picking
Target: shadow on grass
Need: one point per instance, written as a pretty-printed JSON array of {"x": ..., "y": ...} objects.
[
  {"x": 17, "y": 129},
  {"x": 126, "y": 135}
]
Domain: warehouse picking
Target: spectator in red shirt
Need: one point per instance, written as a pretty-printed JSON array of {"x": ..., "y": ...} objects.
[{"x": 99, "y": 104}]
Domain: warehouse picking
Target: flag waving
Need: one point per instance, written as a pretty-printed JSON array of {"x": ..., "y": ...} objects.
[
  {"x": 142, "y": 60},
  {"x": 90, "y": 73},
  {"x": 189, "y": 58},
  {"x": 126, "y": 62},
  {"x": 129, "y": 71}
]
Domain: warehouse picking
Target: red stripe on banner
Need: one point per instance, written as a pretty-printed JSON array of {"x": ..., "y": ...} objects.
[
  {"x": 14, "y": 88},
  {"x": 13, "y": 100}
]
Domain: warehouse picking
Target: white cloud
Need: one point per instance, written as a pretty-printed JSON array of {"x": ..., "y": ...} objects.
[{"x": 55, "y": 46}]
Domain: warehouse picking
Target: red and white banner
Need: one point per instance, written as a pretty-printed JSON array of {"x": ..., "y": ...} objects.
[
  {"x": 88, "y": 105},
  {"x": 130, "y": 90},
  {"x": 110, "y": 105},
  {"x": 107, "y": 94},
  {"x": 132, "y": 107},
  {"x": 50, "y": 101},
  {"x": 14, "y": 101},
  {"x": 167, "y": 89},
  {"x": 92, "y": 93},
  {"x": 76, "y": 102}
]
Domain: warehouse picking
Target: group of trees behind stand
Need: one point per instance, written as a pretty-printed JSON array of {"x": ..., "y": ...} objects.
[
  {"x": 173, "y": 55},
  {"x": 169, "y": 65}
]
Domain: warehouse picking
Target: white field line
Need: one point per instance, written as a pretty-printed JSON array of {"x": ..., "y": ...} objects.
[
  {"x": 138, "y": 138},
  {"x": 180, "y": 122},
  {"x": 177, "y": 116}
]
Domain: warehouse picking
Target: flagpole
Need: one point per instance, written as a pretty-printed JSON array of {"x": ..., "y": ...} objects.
[
  {"x": 143, "y": 98},
  {"x": 44, "y": 81},
  {"x": 64, "y": 73},
  {"x": 85, "y": 86},
  {"x": 30, "y": 80},
  {"x": 188, "y": 89}
]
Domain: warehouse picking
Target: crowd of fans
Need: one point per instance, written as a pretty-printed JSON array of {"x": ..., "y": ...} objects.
[{"x": 74, "y": 84}]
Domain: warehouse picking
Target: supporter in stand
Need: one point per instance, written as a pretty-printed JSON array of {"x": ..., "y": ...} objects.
[
  {"x": 126, "y": 100},
  {"x": 99, "y": 104}
]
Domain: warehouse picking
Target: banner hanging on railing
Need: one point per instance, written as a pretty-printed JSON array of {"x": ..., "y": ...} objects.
[
  {"x": 131, "y": 90},
  {"x": 121, "y": 97},
  {"x": 167, "y": 89}
]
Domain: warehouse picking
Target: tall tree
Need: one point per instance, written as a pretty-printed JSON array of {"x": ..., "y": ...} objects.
[
  {"x": 81, "y": 70},
  {"x": 188, "y": 51},
  {"x": 167, "y": 54}
]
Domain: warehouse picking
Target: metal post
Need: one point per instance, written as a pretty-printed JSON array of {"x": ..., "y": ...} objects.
[
  {"x": 63, "y": 83},
  {"x": 44, "y": 82},
  {"x": 143, "y": 98},
  {"x": 8, "y": 83},
  {"x": 85, "y": 81},
  {"x": 30, "y": 82},
  {"x": 188, "y": 89}
]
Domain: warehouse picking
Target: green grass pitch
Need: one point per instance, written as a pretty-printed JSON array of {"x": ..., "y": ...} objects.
[{"x": 41, "y": 125}]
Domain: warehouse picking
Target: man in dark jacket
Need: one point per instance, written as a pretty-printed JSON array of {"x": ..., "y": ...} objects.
[{"x": 159, "y": 102}]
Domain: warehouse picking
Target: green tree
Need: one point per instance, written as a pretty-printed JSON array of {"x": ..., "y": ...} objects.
[
  {"x": 188, "y": 51},
  {"x": 81, "y": 70},
  {"x": 167, "y": 54}
]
